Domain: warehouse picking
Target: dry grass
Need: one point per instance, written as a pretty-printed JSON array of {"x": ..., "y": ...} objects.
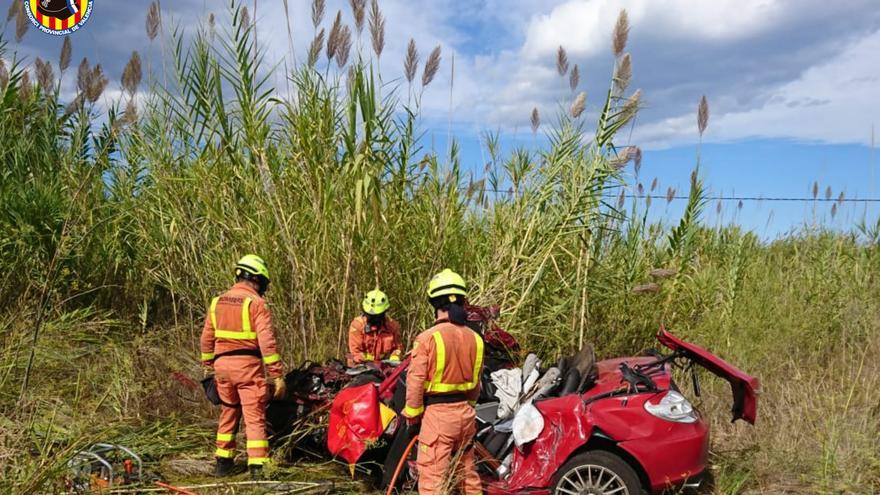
[
  {"x": 703, "y": 115},
  {"x": 12, "y": 11},
  {"x": 574, "y": 78},
  {"x": 25, "y": 88},
  {"x": 45, "y": 75},
  {"x": 561, "y": 61},
  {"x": 432, "y": 65},
  {"x": 377, "y": 28},
  {"x": 153, "y": 20},
  {"x": 64, "y": 57},
  {"x": 623, "y": 73},
  {"x": 620, "y": 35},
  {"x": 359, "y": 11},
  {"x": 411, "y": 62},
  {"x": 132, "y": 74},
  {"x": 578, "y": 105},
  {"x": 819, "y": 415},
  {"x": 22, "y": 25},
  {"x": 344, "y": 48},
  {"x": 334, "y": 40},
  {"x": 4, "y": 75},
  {"x": 318, "y": 9},
  {"x": 315, "y": 48}
]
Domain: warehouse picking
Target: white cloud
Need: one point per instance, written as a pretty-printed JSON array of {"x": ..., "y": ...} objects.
[
  {"x": 836, "y": 101},
  {"x": 770, "y": 67},
  {"x": 584, "y": 27},
  {"x": 801, "y": 69}
]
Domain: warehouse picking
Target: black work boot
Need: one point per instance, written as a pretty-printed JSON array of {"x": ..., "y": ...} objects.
[
  {"x": 256, "y": 472},
  {"x": 225, "y": 467}
]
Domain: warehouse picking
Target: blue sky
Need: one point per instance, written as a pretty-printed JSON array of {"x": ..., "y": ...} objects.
[{"x": 793, "y": 85}]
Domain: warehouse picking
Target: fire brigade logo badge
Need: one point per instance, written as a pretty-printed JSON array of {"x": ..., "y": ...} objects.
[{"x": 58, "y": 17}]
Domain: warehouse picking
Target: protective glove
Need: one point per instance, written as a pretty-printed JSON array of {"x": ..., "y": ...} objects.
[
  {"x": 413, "y": 425},
  {"x": 280, "y": 388}
]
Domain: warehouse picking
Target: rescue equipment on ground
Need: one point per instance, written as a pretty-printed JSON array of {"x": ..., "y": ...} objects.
[{"x": 103, "y": 465}]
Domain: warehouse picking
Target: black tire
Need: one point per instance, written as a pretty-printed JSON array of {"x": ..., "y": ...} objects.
[
  {"x": 401, "y": 440},
  {"x": 615, "y": 473}
]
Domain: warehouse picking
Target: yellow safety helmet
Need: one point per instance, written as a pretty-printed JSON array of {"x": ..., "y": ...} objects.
[
  {"x": 375, "y": 302},
  {"x": 446, "y": 283},
  {"x": 252, "y": 264}
]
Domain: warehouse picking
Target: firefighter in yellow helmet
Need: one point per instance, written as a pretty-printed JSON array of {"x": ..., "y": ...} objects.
[
  {"x": 442, "y": 387},
  {"x": 373, "y": 336},
  {"x": 238, "y": 342}
]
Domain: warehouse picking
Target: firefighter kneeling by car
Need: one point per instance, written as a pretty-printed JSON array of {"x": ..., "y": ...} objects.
[
  {"x": 373, "y": 336},
  {"x": 442, "y": 387}
]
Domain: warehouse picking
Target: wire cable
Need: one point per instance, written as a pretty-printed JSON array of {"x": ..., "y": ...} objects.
[{"x": 718, "y": 198}]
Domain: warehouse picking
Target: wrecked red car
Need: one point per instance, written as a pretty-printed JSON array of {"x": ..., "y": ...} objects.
[{"x": 624, "y": 428}]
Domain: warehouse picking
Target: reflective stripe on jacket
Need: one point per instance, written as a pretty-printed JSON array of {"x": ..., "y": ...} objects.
[
  {"x": 446, "y": 359},
  {"x": 237, "y": 320}
]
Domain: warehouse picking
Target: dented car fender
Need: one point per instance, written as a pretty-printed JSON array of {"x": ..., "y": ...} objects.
[{"x": 569, "y": 424}]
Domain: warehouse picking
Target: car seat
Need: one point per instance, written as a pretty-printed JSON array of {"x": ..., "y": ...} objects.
[{"x": 578, "y": 372}]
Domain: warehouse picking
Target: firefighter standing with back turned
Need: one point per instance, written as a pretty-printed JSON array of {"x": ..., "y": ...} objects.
[
  {"x": 442, "y": 386},
  {"x": 373, "y": 335},
  {"x": 237, "y": 340}
]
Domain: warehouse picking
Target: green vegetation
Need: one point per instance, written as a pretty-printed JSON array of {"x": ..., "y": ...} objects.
[{"x": 119, "y": 220}]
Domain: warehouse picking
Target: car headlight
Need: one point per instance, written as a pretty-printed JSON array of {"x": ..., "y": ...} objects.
[{"x": 673, "y": 407}]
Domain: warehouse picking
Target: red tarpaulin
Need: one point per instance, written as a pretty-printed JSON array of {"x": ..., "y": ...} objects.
[{"x": 355, "y": 421}]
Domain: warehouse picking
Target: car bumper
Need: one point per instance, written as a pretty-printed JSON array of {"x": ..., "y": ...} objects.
[{"x": 676, "y": 458}]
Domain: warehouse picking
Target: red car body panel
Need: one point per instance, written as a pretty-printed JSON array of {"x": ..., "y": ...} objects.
[
  {"x": 681, "y": 456},
  {"x": 745, "y": 388},
  {"x": 668, "y": 453},
  {"x": 665, "y": 453}
]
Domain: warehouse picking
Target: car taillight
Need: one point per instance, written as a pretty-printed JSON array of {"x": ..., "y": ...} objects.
[{"x": 673, "y": 407}]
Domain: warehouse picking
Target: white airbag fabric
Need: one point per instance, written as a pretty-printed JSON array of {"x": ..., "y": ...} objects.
[
  {"x": 527, "y": 424},
  {"x": 508, "y": 388}
]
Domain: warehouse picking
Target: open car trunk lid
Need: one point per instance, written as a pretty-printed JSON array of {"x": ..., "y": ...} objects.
[{"x": 745, "y": 388}]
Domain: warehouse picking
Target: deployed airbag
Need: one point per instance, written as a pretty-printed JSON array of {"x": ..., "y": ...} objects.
[
  {"x": 527, "y": 424},
  {"x": 508, "y": 387}
]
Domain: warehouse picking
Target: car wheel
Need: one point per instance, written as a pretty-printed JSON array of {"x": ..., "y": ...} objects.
[{"x": 596, "y": 473}]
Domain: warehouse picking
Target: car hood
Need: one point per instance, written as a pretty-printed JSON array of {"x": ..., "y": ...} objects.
[{"x": 745, "y": 388}]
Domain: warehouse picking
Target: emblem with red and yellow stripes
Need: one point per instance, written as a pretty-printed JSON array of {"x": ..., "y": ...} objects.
[{"x": 58, "y": 17}]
